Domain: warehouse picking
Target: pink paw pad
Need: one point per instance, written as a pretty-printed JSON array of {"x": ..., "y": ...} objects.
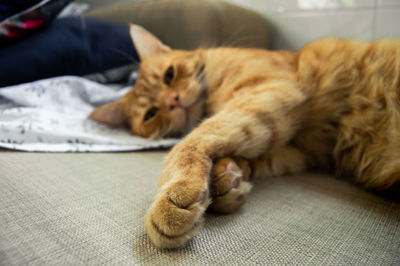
[
  {"x": 235, "y": 182},
  {"x": 232, "y": 167},
  {"x": 202, "y": 196}
]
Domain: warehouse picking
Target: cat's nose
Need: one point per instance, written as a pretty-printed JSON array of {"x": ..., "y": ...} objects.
[{"x": 174, "y": 101}]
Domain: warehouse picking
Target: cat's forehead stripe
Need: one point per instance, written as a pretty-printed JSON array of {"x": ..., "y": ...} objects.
[
  {"x": 143, "y": 100},
  {"x": 156, "y": 71},
  {"x": 151, "y": 70}
]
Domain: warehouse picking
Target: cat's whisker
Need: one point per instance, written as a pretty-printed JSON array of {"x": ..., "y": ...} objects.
[
  {"x": 229, "y": 41},
  {"x": 232, "y": 41}
]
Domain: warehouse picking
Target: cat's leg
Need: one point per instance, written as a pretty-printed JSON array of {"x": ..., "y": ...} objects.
[
  {"x": 231, "y": 176},
  {"x": 285, "y": 161},
  {"x": 247, "y": 127},
  {"x": 229, "y": 184}
]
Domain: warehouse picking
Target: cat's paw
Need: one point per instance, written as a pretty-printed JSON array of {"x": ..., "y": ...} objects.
[
  {"x": 177, "y": 213},
  {"x": 229, "y": 185}
]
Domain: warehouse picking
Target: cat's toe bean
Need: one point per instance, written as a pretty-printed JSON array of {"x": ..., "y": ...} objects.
[
  {"x": 185, "y": 193},
  {"x": 232, "y": 200},
  {"x": 202, "y": 196},
  {"x": 224, "y": 184},
  {"x": 229, "y": 186},
  {"x": 176, "y": 215}
]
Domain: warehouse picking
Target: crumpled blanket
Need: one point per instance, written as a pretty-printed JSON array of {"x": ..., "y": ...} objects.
[{"x": 50, "y": 115}]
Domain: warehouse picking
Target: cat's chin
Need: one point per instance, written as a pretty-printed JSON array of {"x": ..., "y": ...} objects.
[
  {"x": 184, "y": 119},
  {"x": 174, "y": 135},
  {"x": 194, "y": 112},
  {"x": 178, "y": 123},
  {"x": 183, "y": 122}
]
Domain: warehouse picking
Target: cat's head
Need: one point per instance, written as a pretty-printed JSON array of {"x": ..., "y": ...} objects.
[{"x": 169, "y": 95}]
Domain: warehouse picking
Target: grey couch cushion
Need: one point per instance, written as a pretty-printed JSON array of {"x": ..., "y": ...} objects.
[{"x": 87, "y": 209}]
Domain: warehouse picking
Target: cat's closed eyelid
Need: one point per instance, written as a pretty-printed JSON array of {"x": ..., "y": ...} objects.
[
  {"x": 169, "y": 75},
  {"x": 201, "y": 69},
  {"x": 151, "y": 113},
  {"x": 143, "y": 101}
]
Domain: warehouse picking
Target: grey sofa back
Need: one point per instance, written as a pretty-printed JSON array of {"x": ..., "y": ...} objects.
[{"x": 189, "y": 24}]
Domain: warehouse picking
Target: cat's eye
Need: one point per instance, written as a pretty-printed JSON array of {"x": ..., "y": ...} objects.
[
  {"x": 150, "y": 113},
  {"x": 169, "y": 75}
]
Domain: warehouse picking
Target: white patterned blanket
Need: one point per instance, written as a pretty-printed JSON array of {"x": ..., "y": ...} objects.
[{"x": 50, "y": 115}]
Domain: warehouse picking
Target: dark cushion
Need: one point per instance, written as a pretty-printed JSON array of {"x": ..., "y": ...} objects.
[
  {"x": 29, "y": 20},
  {"x": 68, "y": 46},
  {"x": 12, "y": 7}
]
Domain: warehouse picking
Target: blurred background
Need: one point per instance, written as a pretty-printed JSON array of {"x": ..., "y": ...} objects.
[
  {"x": 294, "y": 23},
  {"x": 307, "y": 20}
]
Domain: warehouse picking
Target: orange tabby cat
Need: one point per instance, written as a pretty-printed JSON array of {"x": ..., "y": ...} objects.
[{"x": 335, "y": 103}]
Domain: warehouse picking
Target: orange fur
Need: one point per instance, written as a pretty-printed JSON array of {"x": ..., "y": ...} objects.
[{"x": 334, "y": 104}]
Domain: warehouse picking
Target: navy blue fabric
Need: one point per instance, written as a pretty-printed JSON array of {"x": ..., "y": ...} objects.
[
  {"x": 11, "y": 7},
  {"x": 68, "y": 46}
]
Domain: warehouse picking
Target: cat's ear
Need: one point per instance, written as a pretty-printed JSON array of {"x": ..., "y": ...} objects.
[
  {"x": 146, "y": 44},
  {"x": 110, "y": 114}
]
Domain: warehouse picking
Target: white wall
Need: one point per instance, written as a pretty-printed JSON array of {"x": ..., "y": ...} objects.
[{"x": 297, "y": 22}]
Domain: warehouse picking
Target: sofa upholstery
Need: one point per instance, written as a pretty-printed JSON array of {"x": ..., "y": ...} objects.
[{"x": 88, "y": 208}]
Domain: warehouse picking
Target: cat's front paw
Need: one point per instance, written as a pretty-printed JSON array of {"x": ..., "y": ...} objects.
[
  {"x": 229, "y": 184},
  {"x": 177, "y": 213}
]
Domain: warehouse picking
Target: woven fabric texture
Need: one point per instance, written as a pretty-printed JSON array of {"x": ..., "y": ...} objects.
[{"x": 87, "y": 209}]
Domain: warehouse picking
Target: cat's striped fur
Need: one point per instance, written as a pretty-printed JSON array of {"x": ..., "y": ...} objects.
[{"x": 333, "y": 105}]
